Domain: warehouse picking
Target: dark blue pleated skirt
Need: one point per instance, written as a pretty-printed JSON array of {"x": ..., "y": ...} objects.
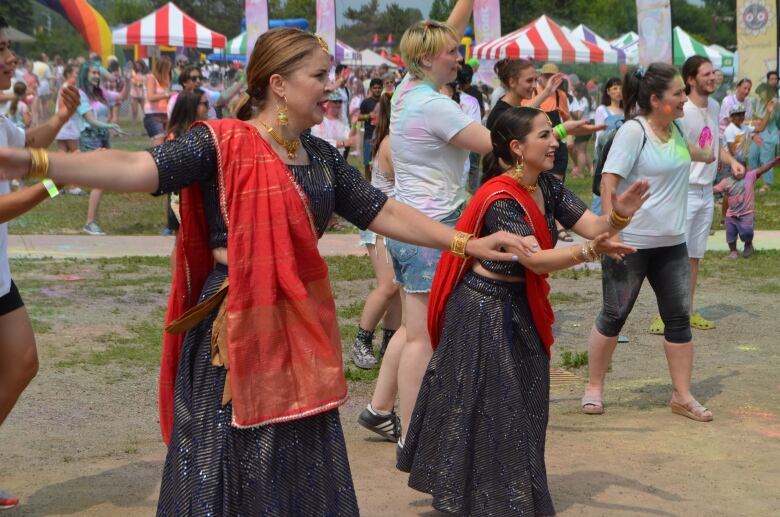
[
  {"x": 476, "y": 439},
  {"x": 298, "y": 468}
]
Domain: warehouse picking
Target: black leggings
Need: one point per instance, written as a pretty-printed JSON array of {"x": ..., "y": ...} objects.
[{"x": 668, "y": 272}]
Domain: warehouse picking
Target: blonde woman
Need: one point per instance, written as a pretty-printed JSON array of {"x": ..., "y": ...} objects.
[{"x": 158, "y": 91}]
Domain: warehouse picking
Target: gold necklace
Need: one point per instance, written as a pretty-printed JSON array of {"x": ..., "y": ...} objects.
[
  {"x": 517, "y": 175},
  {"x": 291, "y": 146}
]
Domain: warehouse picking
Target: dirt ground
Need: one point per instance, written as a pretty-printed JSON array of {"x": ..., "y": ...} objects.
[{"x": 84, "y": 438}]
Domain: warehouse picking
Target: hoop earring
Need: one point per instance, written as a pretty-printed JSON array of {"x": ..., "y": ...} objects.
[{"x": 281, "y": 113}]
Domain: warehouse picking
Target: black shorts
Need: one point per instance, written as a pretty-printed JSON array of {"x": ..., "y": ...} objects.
[{"x": 11, "y": 301}]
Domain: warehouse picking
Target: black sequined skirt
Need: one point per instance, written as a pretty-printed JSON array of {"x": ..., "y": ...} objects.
[
  {"x": 476, "y": 439},
  {"x": 298, "y": 468}
]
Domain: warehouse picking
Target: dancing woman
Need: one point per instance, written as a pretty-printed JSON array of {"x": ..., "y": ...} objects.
[
  {"x": 491, "y": 324},
  {"x": 252, "y": 419}
]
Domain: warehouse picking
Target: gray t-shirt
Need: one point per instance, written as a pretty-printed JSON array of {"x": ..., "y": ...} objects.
[{"x": 666, "y": 166}]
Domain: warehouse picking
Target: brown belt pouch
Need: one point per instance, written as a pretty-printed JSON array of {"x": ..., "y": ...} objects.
[{"x": 198, "y": 313}]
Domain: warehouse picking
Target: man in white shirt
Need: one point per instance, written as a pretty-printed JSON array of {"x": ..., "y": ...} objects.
[
  {"x": 43, "y": 71},
  {"x": 701, "y": 129},
  {"x": 18, "y": 355}
]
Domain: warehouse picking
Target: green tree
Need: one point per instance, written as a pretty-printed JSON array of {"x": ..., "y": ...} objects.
[
  {"x": 441, "y": 9},
  {"x": 19, "y": 14}
]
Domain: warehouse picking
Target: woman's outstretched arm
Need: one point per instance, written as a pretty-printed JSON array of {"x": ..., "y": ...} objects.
[{"x": 116, "y": 171}]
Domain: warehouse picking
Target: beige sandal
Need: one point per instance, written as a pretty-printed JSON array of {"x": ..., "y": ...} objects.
[
  {"x": 692, "y": 410},
  {"x": 591, "y": 406}
]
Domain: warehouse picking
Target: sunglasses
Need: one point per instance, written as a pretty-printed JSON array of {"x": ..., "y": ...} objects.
[{"x": 195, "y": 78}]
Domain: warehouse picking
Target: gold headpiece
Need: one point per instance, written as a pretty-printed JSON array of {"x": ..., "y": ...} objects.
[{"x": 323, "y": 44}]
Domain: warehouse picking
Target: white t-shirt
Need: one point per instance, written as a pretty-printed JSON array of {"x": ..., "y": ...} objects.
[
  {"x": 470, "y": 106},
  {"x": 694, "y": 122},
  {"x": 661, "y": 220},
  {"x": 738, "y": 136},
  {"x": 43, "y": 72},
  {"x": 428, "y": 169},
  {"x": 331, "y": 130},
  {"x": 10, "y": 136}
]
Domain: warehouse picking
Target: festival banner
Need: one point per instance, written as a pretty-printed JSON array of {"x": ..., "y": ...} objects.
[
  {"x": 326, "y": 23},
  {"x": 487, "y": 20},
  {"x": 654, "y": 20},
  {"x": 256, "y": 12},
  {"x": 757, "y": 38}
]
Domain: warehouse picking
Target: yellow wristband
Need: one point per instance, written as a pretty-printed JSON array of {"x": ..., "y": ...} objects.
[{"x": 50, "y": 187}]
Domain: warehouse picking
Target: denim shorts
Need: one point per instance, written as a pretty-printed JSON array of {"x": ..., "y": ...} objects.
[
  {"x": 414, "y": 266},
  {"x": 92, "y": 138},
  {"x": 154, "y": 124},
  {"x": 668, "y": 272}
]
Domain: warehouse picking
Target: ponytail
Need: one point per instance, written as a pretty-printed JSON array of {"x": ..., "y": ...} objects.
[{"x": 639, "y": 86}]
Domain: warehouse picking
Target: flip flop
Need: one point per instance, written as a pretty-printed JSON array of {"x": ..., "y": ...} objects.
[
  {"x": 700, "y": 323},
  {"x": 692, "y": 410},
  {"x": 591, "y": 406},
  {"x": 657, "y": 326},
  {"x": 565, "y": 236}
]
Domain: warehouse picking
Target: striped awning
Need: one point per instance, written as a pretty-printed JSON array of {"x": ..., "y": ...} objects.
[
  {"x": 168, "y": 26},
  {"x": 545, "y": 40},
  {"x": 686, "y": 46},
  {"x": 583, "y": 32},
  {"x": 237, "y": 46}
]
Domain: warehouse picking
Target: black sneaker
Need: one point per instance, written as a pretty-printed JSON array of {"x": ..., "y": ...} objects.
[{"x": 388, "y": 427}]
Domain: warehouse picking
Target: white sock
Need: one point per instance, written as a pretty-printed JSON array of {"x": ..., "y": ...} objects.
[{"x": 377, "y": 412}]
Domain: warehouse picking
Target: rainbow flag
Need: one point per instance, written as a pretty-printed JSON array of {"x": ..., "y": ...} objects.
[{"x": 87, "y": 21}]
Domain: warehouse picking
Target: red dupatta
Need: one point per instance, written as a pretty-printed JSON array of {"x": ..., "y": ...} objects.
[
  {"x": 451, "y": 269},
  {"x": 284, "y": 346}
]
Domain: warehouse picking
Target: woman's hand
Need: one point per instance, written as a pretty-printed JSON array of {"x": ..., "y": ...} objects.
[
  {"x": 603, "y": 245},
  {"x": 582, "y": 127},
  {"x": 70, "y": 101},
  {"x": 552, "y": 84},
  {"x": 627, "y": 203},
  {"x": 14, "y": 163},
  {"x": 502, "y": 247}
]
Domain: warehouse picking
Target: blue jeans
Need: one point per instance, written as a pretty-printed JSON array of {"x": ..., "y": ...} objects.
[{"x": 414, "y": 266}]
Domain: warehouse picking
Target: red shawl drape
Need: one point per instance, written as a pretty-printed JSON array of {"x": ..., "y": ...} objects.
[
  {"x": 451, "y": 269},
  {"x": 284, "y": 346}
]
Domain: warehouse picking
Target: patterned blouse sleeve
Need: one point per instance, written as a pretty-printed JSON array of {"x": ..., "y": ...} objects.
[
  {"x": 568, "y": 208},
  {"x": 189, "y": 159},
  {"x": 356, "y": 200}
]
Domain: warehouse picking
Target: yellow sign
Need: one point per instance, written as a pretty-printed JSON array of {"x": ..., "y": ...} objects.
[{"x": 756, "y": 38}]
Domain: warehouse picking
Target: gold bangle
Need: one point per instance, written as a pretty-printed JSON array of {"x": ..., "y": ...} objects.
[
  {"x": 617, "y": 221},
  {"x": 458, "y": 246},
  {"x": 573, "y": 250},
  {"x": 618, "y": 218},
  {"x": 594, "y": 257},
  {"x": 39, "y": 163}
]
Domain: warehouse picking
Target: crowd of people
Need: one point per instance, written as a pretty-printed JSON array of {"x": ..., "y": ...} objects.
[{"x": 462, "y": 206}]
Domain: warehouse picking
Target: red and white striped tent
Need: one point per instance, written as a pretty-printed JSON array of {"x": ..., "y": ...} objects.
[
  {"x": 169, "y": 26},
  {"x": 545, "y": 40}
]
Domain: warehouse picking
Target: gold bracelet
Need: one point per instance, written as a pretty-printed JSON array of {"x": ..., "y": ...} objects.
[
  {"x": 617, "y": 221},
  {"x": 39, "y": 164},
  {"x": 458, "y": 246},
  {"x": 584, "y": 251},
  {"x": 574, "y": 254},
  {"x": 592, "y": 255}
]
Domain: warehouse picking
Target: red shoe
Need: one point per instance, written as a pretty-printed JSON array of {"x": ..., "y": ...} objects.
[{"x": 7, "y": 501}]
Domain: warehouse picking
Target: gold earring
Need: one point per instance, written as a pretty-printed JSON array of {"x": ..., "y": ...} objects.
[
  {"x": 281, "y": 114},
  {"x": 519, "y": 169}
]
